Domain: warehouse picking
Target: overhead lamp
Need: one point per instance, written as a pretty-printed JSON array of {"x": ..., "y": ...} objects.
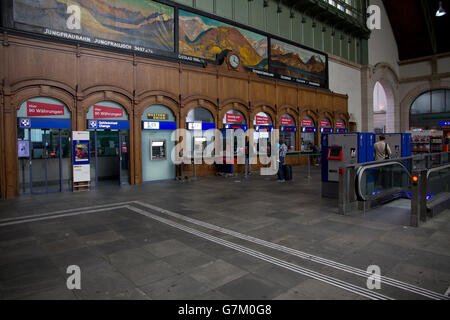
[{"x": 441, "y": 12}]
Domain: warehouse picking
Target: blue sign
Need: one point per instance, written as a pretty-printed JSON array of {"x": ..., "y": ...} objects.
[
  {"x": 268, "y": 128},
  {"x": 444, "y": 123},
  {"x": 309, "y": 129},
  {"x": 44, "y": 123},
  {"x": 288, "y": 129},
  {"x": 200, "y": 126},
  {"x": 342, "y": 130},
  {"x": 326, "y": 130},
  {"x": 109, "y": 124},
  {"x": 159, "y": 125},
  {"x": 234, "y": 126}
]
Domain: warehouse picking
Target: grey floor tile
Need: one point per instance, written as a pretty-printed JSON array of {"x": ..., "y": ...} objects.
[{"x": 251, "y": 287}]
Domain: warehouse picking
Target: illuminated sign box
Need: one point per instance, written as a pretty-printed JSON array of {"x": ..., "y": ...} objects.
[{"x": 309, "y": 129}]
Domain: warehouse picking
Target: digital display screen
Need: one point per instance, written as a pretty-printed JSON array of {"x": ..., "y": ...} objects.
[{"x": 335, "y": 152}]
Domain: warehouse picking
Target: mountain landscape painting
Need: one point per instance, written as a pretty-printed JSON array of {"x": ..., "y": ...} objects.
[
  {"x": 297, "y": 62},
  {"x": 137, "y": 22},
  {"x": 203, "y": 37}
]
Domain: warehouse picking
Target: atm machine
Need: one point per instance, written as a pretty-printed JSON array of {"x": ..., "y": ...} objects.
[
  {"x": 340, "y": 150},
  {"x": 399, "y": 143}
]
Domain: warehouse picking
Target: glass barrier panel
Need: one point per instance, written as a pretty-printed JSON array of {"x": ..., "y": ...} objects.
[{"x": 384, "y": 178}]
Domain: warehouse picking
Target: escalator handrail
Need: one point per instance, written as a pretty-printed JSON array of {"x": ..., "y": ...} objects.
[
  {"x": 429, "y": 171},
  {"x": 363, "y": 168}
]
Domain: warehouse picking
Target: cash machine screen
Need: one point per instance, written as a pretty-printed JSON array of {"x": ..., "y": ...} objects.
[
  {"x": 335, "y": 153},
  {"x": 158, "y": 150}
]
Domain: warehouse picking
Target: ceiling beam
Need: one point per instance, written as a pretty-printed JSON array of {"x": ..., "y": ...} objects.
[{"x": 429, "y": 23}]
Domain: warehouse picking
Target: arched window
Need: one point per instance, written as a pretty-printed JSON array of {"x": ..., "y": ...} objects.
[{"x": 436, "y": 101}]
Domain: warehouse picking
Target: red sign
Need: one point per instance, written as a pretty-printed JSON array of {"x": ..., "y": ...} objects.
[
  {"x": 307, "y": 123},
  {"x": 36, "y": 109},
  {"x": 262, "y": 120},
  {"x": 102, "y": 112},
  {"x": 325, "y": 124},
  {"x": 285, "y": 121},
  {"x": 234, "y": 118},
  {"x": 340, "y": 124}
]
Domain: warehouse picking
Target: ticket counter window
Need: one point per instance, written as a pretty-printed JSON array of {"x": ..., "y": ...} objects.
[
  {"x": 199, "y": 121},
  {"x": 108, "y": 124},
  {"x": 308, "y": 134},
  {"x": 44, "y": 146},
  {"x": 288, "y": 131},
  {"x": 263, "y": 126},
  {"x": 234, "y": 121},
  {"x": 158, "y": 124}
]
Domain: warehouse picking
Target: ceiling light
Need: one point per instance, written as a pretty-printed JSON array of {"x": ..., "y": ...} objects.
[{"x": 441, "y": 12}]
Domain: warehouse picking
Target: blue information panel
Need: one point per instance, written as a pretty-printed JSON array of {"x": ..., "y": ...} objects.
[
  {"x": 243, "y": 127},
  {"x": 268, "y": 128},
  {"x": 159, "y": 125},
  {"x": 200, "y": 126},
  {"x": 326, "y": 130},
  {"x": 44, "y": 123},
  {"x": 309, "y": 129},
  {"x": 342, "y": 130},
  {"x": 288, "y": 129},
  {"x": 109, "y": 124}
]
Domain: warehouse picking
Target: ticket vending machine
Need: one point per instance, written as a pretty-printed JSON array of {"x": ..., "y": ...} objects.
[
  {"x": 340, "y": 150},
  {"x": 399, "y": 143}
]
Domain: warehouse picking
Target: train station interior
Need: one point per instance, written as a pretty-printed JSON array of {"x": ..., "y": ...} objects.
[{"x": 232, "y": 150}]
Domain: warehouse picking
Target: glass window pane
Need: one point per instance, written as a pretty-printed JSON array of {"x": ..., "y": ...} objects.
[
  {"x": 438, "y": 101},
  {"x": 422, "y": 104}
]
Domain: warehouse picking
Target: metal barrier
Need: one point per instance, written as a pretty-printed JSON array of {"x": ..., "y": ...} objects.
[{"x": 425, "y": 179}]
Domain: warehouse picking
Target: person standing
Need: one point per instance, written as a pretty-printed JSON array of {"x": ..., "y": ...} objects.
[
  {"x": 283, "y": 149},
  {"x": 382, "y": 149},
  {"x": 382, "y": 152}
]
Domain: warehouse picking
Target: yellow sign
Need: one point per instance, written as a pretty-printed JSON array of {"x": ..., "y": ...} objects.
[{"x": 158, "y": 116}]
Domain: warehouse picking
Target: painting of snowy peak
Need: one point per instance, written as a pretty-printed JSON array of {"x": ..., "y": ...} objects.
[
  {"x": 203, "y": 37},
  {"x": 296, "y": 62},
  {"x": 134, "y": 22}
]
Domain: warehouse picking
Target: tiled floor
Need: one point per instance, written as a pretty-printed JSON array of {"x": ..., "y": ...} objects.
[{"x": 130, "y": 253}]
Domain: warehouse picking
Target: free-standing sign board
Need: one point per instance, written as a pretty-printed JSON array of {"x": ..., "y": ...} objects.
[
  {"x": 81, "y": 159},
  {"x": 23, "y": 149}
]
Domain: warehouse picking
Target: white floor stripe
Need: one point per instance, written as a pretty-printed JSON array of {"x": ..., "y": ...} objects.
[
  {"x": 287, "y": 265},
  {"x": 362, "y": 273},
  {"x": 59, "y": 216},
  {"x": 63, "y": 211}
]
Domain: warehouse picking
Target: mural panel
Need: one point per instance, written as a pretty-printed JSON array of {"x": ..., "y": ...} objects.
[{"x": 203, "y": 37}]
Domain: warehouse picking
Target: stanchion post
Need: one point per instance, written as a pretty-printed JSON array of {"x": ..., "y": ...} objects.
[
  {"x": 309, "y": 167},
  {"x": 343, "y": 192}
]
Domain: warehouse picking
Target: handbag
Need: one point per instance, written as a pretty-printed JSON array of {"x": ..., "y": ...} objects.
[{"x": 386, "y": 152}]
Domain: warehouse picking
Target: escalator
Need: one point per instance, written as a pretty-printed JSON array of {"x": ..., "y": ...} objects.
[{"x": 403, "y": 191}]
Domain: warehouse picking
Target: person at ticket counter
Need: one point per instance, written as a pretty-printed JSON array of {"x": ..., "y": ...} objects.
[{"x": 283, "y": 152}]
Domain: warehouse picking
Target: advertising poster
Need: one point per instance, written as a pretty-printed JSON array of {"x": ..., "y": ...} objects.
[
  {"x": 23, "y": 148},
  {"x": 81, "y": 159}
]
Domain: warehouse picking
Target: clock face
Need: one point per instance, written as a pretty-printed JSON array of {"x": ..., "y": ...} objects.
[{"x": 234, "y": 61}]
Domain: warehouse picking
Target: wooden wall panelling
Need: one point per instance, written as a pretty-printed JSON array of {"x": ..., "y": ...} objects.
[
  {"x": 287, "y": 95},
  {"x": 153, "y": 77},
  {"x": 41, "y": 63},
  {"x": 195, "y": 82},
  {"x": 263, "y": 90},
  {"x": 104, "y": 71},
  {"x": 233, "y": 89}
]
